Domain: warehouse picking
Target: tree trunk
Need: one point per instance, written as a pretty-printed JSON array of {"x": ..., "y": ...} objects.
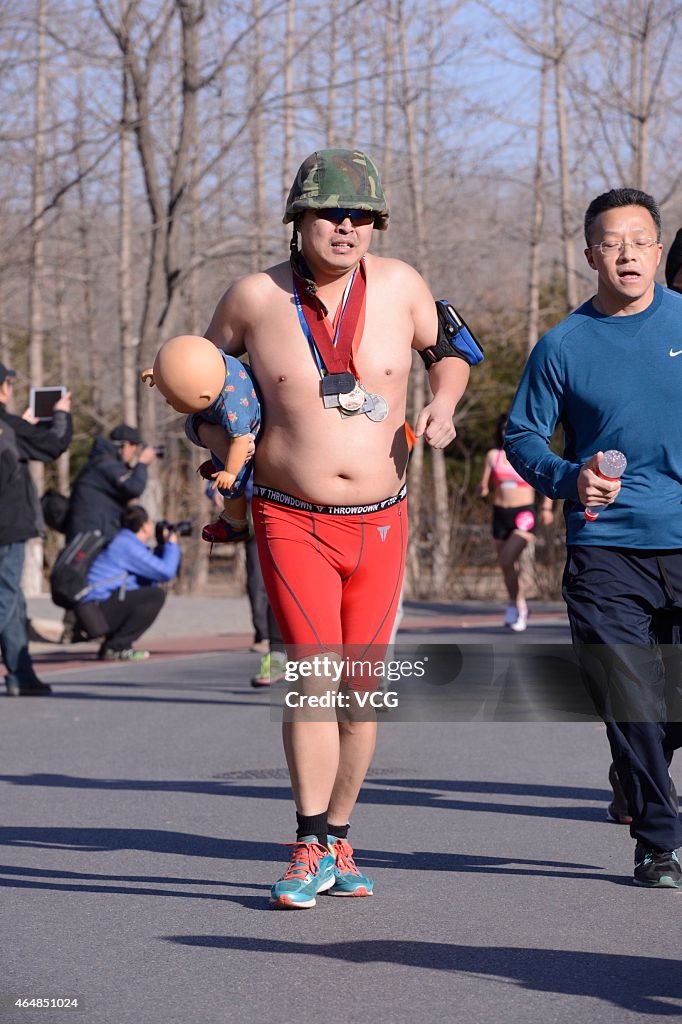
[
  {"x": 195, "y": 566},
  {"x": 641, "y": 88},
  {"x": 257, "y": 141},
  {"x": 538, "y": 215},
  {"x": 440, "y": 538},
  {"x": 288, "y": 157},
  {"x": 567, "y": 235},
  {"x": 422, "y": 581},
  {"x": 387, "y": 110},
  {"x": 90, "y": 340},
  {"x": 330, "y": 126},
  {"x": 128, "y": 341},
  {"x": 33, "y": 567},
  {"x": 62, "y": 338}
]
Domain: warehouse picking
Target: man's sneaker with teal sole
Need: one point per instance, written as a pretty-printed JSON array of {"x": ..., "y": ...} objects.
[
  {"x": 655, "y": 869},
  {"x": 348, "y": 879},
  {"x": 310, "y": 871}
]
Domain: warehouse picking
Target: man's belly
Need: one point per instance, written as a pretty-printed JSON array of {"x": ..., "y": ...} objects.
[{"x": 334, "y": 463}]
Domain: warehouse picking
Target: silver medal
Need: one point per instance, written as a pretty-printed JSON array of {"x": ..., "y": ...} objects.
[
  {"x": 368, "y": 404},
  {"x": 352, "y": 401},
  {"x": 379, "y": 411}
]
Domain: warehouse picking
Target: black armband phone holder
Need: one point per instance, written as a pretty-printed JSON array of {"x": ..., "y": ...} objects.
[{"x": 454, "y": 339}]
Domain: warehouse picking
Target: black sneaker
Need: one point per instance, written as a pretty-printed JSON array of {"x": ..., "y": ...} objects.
[
  {"x": 656, "y": 869},
  {"x": 33, "y": 688},
  {"x": 618, "y": 810}
]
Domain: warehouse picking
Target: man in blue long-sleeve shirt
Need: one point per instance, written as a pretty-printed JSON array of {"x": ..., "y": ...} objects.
[
  {"x": 122, "y": 601},
  {"x": 611, "y": 374}
]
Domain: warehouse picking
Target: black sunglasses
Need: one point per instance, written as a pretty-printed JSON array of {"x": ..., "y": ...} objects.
[{"x": 358, "y": 218}]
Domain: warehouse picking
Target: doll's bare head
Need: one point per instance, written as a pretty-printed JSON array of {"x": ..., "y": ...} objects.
[{"x": 189, "y": 371}]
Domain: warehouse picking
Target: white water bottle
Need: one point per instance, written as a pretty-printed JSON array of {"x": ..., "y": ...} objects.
[{"x": 611, "y": 467}]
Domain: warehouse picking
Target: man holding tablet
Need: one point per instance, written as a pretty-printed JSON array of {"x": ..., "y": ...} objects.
[
  {"x": 42, "y": 401},
  {"x": 20, "y": 441}
]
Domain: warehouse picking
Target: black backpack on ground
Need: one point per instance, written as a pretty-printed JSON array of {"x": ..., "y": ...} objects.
[{"x": 69, "y": 576}]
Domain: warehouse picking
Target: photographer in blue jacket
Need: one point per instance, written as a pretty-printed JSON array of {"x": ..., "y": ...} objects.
[{"x": 122, "y": 601}]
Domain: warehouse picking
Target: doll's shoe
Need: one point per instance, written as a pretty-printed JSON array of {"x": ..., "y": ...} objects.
[
  {"x": 222, "y": 532},
  {"x": 207, "y": 469}
]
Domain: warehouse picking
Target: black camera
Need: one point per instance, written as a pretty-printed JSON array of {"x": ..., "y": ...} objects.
[
  {"x": 183, "y": 528},
  {"x": 160, "y": 450}
]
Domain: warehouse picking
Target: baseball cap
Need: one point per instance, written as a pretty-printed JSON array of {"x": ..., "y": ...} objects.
[
  {"x": 5, "y": 373},
  {"x": 125, "y": 433}
]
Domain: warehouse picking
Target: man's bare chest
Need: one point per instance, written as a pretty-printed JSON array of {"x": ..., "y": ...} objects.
[{"x": 280, "y": 344}]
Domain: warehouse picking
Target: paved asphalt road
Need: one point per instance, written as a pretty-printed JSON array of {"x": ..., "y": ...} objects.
[{"x": 143, "y": 808}]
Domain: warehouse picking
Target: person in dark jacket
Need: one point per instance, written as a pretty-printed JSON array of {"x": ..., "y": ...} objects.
[
  {"x": 122, "y": 602},
  {"x": 20, "y": 519},
  {"x": 673, "y": 264},
  {"x": 115, "y": 473}
]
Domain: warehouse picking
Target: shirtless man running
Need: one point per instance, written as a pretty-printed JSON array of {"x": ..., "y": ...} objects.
[{"x": 329, "y": 503}]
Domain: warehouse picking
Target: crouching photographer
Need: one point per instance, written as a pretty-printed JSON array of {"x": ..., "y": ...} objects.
[
  {"x": 163, "y": 530},
  {"x": 121, "y": 601}
]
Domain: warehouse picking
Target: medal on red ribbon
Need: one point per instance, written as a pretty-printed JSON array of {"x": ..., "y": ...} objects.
[{"x": 339, "y": 386}]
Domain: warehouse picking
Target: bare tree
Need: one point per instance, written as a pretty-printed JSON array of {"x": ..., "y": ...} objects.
[
  {"x": 560, "y": 99},
  {"x": 331, "y": 126},
  {"x": 63, "y": 350},
  {"x": 537, "y": 218},
  {"x": 154, "y": 197},
  {"x": 418, "y": 389},
  {"x": 631, "y": 101},
  {"x": 438, "y": 541},
  {"x": 257, "y": 132},
  {"x": 288, "y": 118},
  {"x": 33, "y": 568},
  {"x": 128, "y": 339}
]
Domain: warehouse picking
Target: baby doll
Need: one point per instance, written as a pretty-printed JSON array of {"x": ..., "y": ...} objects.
[{"x": 197, "y": 378}]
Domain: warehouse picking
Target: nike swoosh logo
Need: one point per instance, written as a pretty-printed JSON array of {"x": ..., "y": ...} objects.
[{"x": 678, "y": 353}]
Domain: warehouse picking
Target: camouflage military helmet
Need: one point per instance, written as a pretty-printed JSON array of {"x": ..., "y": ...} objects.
[{"x": 341, "y": 179}]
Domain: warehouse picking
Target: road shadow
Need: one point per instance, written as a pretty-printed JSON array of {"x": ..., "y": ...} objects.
[
  {"x": 429, "y": 793},
  {"x": 100, "y": 840},
  {"x": 220, "y": 697},
  {"x": 103, "y": 840},
  {"x": 637, "y": 984},
  {"x": 13, "y": 877}
]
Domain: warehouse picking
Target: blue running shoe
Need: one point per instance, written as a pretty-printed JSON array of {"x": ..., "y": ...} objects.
[
  {"x": 311, "y": 870},
  {"x": 348, "y": 879}
]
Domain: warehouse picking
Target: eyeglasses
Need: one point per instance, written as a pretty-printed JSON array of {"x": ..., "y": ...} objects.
[
  {"x": 358, "y": 218},
  {"x": 613, "y": 245}
]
